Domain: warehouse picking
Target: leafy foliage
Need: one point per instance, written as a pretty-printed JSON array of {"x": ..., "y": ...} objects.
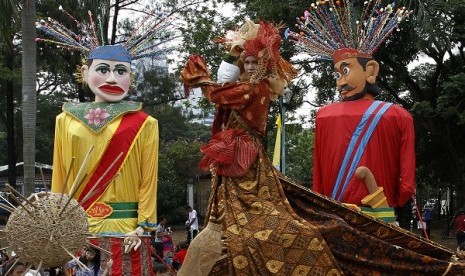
[
  {"x": 177, "y": 164},
  {"x": 299, "y": 158}
]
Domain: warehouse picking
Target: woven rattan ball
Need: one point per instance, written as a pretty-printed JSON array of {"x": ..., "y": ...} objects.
[{"x": 45, "y": 233}]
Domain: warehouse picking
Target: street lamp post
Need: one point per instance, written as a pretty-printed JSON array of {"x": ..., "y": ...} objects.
[{"x": 283, "y": 101}]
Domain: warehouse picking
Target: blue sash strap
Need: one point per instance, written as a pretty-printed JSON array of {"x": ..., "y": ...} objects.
[
  {"x": 353, "y": 141},
  {"x": 361, "y": 148}
]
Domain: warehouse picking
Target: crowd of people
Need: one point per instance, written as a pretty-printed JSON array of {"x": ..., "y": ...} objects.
[{"x": 168, "y": 258}]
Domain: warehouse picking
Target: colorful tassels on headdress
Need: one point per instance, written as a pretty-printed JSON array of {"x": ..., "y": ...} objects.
[
  {"x": 148, "y": 40},
  {"x": 329, "y": 29}
]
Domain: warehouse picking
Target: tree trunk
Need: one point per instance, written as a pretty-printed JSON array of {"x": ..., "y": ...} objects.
[{"x": 29, "y": 98}]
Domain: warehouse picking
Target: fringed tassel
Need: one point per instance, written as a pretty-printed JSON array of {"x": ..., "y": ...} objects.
[{"x": 204, "y": 251}]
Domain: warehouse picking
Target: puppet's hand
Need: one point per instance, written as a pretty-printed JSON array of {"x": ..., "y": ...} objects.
[
  {"x": 110, "y": 263},
  {"x": 132, "y": 240},
  {"x": 352, "y": 206},
  {"x": 195, "y": 73}
]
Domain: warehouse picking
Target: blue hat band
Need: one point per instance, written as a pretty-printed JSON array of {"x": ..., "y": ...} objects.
[{"x": 110, "y": 52}]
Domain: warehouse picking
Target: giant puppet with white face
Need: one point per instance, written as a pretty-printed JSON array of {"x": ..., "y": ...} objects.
[
  {"x": 106, "y": 155},
  {"x": 106, "y": 151}
]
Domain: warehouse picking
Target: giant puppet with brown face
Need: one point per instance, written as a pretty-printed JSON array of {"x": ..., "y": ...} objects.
[
  {"x": 361, "y": 132},
  {"x": 359, "y": 136}
]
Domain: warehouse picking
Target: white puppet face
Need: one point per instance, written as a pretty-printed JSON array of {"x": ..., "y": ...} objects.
[{"x": 109, "y": 80}]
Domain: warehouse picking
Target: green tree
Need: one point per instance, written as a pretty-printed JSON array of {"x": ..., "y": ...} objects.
[
  {"x": 299, "y": 158},
  {"x": 9, "y": 80},
  {"x": 177, "y": 165}
]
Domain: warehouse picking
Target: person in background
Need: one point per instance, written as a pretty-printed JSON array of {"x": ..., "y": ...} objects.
[
  {"x": 422, "y": 227},
  {"x": 167, "y": 241},
  {"x": 159, "y": 233},
  {"x": 461, "y": 251},
  {"x": 91, "y": 259},
  {"x": 460, "y": 226},
  {"x": 179, "y": 256},
  {"x": 192, "y": 224},
  {"x": 13, "y": 268},
  {"x": 427, "y": 217}
]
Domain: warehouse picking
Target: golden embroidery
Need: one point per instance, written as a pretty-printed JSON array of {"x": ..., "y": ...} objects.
[
  {"x": 315, "y": 245},
  {"x": 382, "y": 232},
  {"x": 263, "y": 235},
  {"x": 301, "y": 270},
  {"x": 274, "y": 212},
  {"x": 288, "y": 239},
  {"x": 240, "y": 262},
  {"x": 256, "y": 208},
  {"x": 233, "y": 229},
  {"x": 264, "y": 192},
  {"x": 242, "y": 219},
  {"x": 274, "y": 265},
  {"x": 333, "y": 272},
  {"x": 247, "y": 185}
]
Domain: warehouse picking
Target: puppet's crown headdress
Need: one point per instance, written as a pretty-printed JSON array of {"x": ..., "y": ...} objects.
[
  {"x": 331, "y": 30},
  {"x": 146, "y": 41}
]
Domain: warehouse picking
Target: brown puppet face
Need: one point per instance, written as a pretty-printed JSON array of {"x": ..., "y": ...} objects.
[{"x": 352, "y": 77}]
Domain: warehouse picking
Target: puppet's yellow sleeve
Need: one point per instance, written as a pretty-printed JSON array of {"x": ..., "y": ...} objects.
[{"x": 147, "y": 213}]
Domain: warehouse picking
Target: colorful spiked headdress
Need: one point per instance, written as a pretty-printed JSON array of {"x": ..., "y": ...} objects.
[
  {"x": 147, "y": 40},
  {"x": 262, "y": 41},
  {"x": 331, "y": 30}
]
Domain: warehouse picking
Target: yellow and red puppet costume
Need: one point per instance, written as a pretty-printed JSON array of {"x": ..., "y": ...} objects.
[{"x": 106, "y": 151}]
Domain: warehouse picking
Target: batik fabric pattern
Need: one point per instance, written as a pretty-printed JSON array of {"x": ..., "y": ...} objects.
[{"x": 263, "y": 236}]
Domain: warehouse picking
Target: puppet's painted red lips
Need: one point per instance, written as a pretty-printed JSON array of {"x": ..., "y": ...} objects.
[{"x": 111, "y": 89}]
